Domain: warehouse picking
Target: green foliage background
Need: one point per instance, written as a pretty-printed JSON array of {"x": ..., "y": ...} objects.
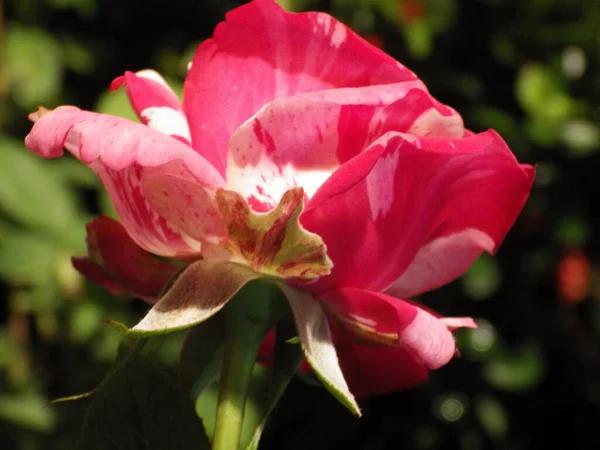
[{"x": 529, "y": 378}]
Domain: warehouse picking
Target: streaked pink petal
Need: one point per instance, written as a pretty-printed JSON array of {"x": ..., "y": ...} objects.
[
  {"x": 155, "y": 103},
  {"x": 301, "y": 140},
  {"x": 124, "y": 154},
  {"x": 261, "y": 53},
  {"x": 423, "y": 340},
  {"x": 405, "y": 191},
  {"x": 118, "y": 264},
  {"x": 441, "y": 260},
  {"x": 424, "y": 336}
]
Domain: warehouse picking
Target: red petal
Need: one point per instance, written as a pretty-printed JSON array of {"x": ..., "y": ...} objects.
[
  {"x": 374, "y": 370},
  {"x": 402, "y": 193},
  {"x": 115, "y": 262},
  {"x": 261, "y": 53}
]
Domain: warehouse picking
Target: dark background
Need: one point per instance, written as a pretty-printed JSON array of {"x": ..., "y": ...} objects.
[{"x": 528, "y": 378}]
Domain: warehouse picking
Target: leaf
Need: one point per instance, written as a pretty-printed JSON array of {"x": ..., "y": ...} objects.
[
  {"x": 33, "y": 63},
  {"x": 317, "y": 344},
  {"x": 483, "y": 278},
  {"x": 201, "y": 290},
  {"x": 581, "y": 137},
  {"x": 28, "y": 411},
  {"x": 519, "y": 371},
  {"x": 140, "y": 407},
  {"x": 274, "y": 243},
  {"x": 287, "y": 360},
  {"x": 201, "y": 355},
  {"x": 33, "y": 193},
  {"x": 25, "y": 258},
  {"x": 542, "y": 95},
  {"x": 115, "y": 104}
]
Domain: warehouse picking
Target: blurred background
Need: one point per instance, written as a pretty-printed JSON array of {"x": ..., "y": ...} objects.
[{"x": 528, "y": 378}]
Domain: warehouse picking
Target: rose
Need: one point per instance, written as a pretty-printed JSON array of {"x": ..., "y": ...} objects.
[{"x": 404, "y": 197}]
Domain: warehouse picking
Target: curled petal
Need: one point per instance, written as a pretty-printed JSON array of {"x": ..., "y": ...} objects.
[
  {"x": 155, "y": 103},
  {"x": 118, "y": 264},
  {"x": 123, "y": 154},
  {"x": 301, "y": 140},
  {"x": 402, "y": 193},
  {"x": 283, "y": 54},
  {"x": 371, "y": 316}
]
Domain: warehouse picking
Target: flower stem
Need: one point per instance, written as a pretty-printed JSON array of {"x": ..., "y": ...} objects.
[
  {"x": 241, "y": 350},
  {"x": 248, "y": 318}
]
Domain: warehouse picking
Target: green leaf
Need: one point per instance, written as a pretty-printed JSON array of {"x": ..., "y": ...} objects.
[
  {"x": 517, "y": 371},
  {"x": 116, "y": 104},
  {"x": 541, "y": 94},
  {"x": 75, "y": 173},
  {"x": 317, "y": 344},
  {"x": 492, "y": 416},
  {"x": 33, "y": 193},
  {"x": 29, "y": 411},
  {"x": 139, "y": 407},
  {"x": 483, "y": 278},
  {"x": 33, "y": 62},
  {"x": 26, "y": 258},
  {"x": 201, "y": 290},
  {"x": 581, "y": 137},
  {"x": 419, "y": 38}
]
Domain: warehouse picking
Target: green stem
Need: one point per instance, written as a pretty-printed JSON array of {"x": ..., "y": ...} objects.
[
  {"x": 241, "y": 349},
  {"x": 248, "y": 318}
]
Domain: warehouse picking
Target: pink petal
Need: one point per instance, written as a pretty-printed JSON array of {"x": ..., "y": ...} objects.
[
  {"x": 424, "y": 341},
  {"x": 155, "y": 103},
  {"x": 130, "y": 159},
  {"x": 116, "y": 262},
  {"x": 261, "y": 53},
  {"x": 402, "y": 193},
  {"x": 301, "y": 140},
  {"x": 440, "y": 261}
]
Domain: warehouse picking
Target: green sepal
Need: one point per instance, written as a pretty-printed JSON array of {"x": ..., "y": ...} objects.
[
  {"x": 317, "y": 344},
  {"x": 274, "y": 243},
  {"x": 199, "y": 292}
]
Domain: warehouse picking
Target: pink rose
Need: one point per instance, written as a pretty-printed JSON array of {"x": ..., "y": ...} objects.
[{"x": 403, "y": 196}]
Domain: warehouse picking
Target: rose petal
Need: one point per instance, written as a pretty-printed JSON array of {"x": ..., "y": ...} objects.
[
  {"x": 155, "y": 103},
  {"x": 375, "y": 370},
  {"x": 423, "y": 335},
  {"x": 118, "y": 264},
  {"x": 300, "y": 141},
  {"x": 123, "y": 154},
  {"x": 261, "y": 53},
  {"x": 405, "y": 191},
  {"x": 440, "y": 261}
]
